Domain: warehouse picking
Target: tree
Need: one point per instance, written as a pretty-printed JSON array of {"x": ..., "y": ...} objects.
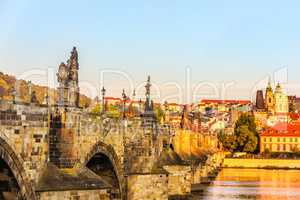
[
  {"x": 246, "y": 135},
  {"x": 160, "y": 114},
  {"x": 245, "y": 139},
  {"x": 97, "y": 109}
]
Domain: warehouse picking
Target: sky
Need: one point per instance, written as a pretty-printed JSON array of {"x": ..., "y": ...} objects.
[{"x": 191, "y": 49}]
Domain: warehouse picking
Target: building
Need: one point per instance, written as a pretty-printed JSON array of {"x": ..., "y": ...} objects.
[
  {"x": 224, "y": 105},
  {"x": 276, "y": 104},
  {"x": 283, "y": 137},
  {"x": 281, "y": 101},
  {"x": 269, "y": 99},
  {"x": 260, "y": 104},
  {"x": 174, "y": 107},
  {"x": 112, "y": 101}
]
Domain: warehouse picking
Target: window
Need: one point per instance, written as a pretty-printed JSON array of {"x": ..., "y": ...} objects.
[
  {"x": 291, "y": 139},
  {"x": 278, "y": 147},
  {"x": 296, "y": 139},
  {"x": 278, "y": 139},
  {"x": 283, "y": 139},
  {"x": 270, "y": 139}
]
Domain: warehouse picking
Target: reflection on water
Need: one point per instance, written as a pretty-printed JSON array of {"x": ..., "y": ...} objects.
[{"x": 236, "y": 184}]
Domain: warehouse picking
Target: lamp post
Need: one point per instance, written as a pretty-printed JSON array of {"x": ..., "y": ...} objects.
[
  {"x": 14, "y": 95},
  {"x": 103, "y": 99},
  {"x": 124, "y": 102}
]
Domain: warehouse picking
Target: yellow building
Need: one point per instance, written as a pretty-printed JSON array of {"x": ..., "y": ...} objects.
[{"x": 283, "y": 137}]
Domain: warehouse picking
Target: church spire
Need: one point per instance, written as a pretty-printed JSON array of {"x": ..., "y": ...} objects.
[{"x": 269, "y": 87}]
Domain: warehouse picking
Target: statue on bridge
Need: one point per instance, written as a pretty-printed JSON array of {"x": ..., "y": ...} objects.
[{"x": 67, "y": 77}]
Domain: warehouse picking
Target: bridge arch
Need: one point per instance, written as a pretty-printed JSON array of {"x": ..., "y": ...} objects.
[
  {"x": 15, "y": 166},
  {"x": 107, "y": 153}
]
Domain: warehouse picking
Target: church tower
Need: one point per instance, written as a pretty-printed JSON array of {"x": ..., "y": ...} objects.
[
  {"x": 281, "y": 101},
  {"x": 269, "y": 99}
]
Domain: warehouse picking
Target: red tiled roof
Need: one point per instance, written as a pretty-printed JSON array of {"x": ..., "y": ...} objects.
[
  {"x": 112, "y": 98},
  {"x": 294, "y": 116},
  {"x": 283, "y": 130},
  {"x": 226, "y": 101}
]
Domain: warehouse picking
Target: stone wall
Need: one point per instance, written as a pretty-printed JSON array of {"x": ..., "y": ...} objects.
[
  {"x": 202, "y": 171},
  {"x": 261, "y": 163},
  {"x": 147, "y": 187},
  {"x": 179, "y": 179},
  {"x": 75, "y": 195},
  {"x": 25, "y": 129}
]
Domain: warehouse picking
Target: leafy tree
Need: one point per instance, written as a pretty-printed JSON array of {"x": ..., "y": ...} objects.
[
  {"x": 114, "y": 111},
  {"x": 97, "y": 109},
  {"x": 245, "y": 139},
  {"x": 246, "y": 135}
]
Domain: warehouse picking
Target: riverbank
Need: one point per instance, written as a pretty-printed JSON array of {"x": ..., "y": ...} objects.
[{"x": 261, "y": 163}]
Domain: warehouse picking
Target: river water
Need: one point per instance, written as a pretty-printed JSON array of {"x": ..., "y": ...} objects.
[{"x": 242, "y": 184}]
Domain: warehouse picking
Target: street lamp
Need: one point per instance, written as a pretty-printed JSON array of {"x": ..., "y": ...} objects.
[
  {"x": 124, "y": 96},
  {"x": 103, "y": 99}
]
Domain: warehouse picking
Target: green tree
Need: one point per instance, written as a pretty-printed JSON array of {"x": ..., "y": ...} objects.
[
  {"x": 114, "y": 111},
  {"x": 229, "y": 143},
  {"x": 246, "y": 134},
  {"x": 245, "y": 139},
  {"x": 97, "y": 109}
]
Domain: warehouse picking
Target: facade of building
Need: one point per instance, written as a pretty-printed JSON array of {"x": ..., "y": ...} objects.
[
  {"x": 276, "y": 107},
  {"x": 283, "y": 137},
  {"x": 260, "y": 104},
  {"x": 224, "y": 105},
  {"x": 281, "y": 102},
  {"x": 269, "y": 99}
]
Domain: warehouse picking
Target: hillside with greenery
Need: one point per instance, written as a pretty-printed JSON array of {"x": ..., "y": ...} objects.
[{"x": 8, "y": 83}]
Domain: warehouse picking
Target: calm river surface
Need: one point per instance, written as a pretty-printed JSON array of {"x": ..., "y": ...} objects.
[{"x": 240, "y": 184}]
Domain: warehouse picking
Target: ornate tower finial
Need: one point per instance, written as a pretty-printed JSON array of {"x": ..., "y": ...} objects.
[{"x": 148, "y": 86}]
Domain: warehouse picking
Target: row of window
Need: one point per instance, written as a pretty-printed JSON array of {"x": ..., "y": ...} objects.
[
  {"x": 281, "y": 147},
  {"x": 280, "y": 139}
]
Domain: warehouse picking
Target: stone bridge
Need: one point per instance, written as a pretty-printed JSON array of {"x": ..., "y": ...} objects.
[
  {"x": 61, "y": 151},
  {"x": 50, "y": 150}
]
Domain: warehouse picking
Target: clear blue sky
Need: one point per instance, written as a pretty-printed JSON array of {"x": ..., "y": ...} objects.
[{"x": 221, "y": 41}]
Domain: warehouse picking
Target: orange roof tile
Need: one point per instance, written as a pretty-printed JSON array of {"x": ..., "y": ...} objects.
[
  {"x": 283, "y": 130},
  {"x": 226, "y": 101}
]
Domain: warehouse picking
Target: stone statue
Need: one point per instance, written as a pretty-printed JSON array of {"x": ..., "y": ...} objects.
[
  {"x": 62, "y": 75},
  {"x": 67, "y": 77},
  {"x": 33, "y": 98}
]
